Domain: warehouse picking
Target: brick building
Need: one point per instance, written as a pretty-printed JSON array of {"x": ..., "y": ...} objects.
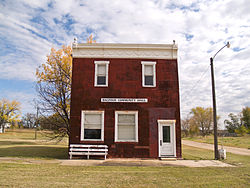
[{"x": 127, "y": 97}]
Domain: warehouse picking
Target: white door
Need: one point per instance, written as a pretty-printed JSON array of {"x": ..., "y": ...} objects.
[{"x": 167, "y": 147}]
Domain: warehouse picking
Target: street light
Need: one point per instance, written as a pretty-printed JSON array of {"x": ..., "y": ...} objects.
[{"x": 216, "y": 154}]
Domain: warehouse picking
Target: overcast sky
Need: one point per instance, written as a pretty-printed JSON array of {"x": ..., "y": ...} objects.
[{"x": 29, "y": 28}]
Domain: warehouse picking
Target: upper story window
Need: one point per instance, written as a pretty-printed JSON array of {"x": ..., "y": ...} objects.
[
  {"x": 101, "y": 73},
  {"x": 148, "y": 74},
  {"x": 92, "y": 125}
]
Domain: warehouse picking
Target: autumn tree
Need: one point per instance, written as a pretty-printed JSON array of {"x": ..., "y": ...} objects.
[
  {"x": 9, "y": 112},
  {"x": 54, "y": 89},
  {"x": 90, "y": 39},
  {"x": 202, "y": 119}
]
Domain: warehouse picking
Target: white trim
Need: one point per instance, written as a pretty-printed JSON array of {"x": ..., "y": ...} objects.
[
  {"x": 136, "y": 125},
  {"x": 163, "y": 121},
  {"x": 134, "y": 51},
  {"x": 82, "y": 124},
  {"x": 153, "y": 63},
  {"x": 166, "y": 122},
  {"x": 106, "y": 63}
]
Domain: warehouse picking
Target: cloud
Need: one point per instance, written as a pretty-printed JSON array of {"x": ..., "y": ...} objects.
[{"x": 29, "y": 29}]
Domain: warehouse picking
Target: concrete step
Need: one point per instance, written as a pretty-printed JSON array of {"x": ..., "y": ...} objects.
[{"x": 168, "y": 159}]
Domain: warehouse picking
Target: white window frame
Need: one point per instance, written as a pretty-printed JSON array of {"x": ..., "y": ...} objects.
[
  {"x": 153, "y": 63},
  {"x": 106, "y": 63},
  {"x": 82, "y": 124},
  {"x": 116, "y": 125}
]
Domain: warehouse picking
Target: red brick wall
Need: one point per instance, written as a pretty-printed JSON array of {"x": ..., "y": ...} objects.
[{"x": 125, "y": 81}]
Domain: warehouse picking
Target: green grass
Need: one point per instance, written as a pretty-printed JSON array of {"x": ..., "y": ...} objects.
[
  {"x": 29, "y": 134},
  {"x": 194, "y": 153},
  {"x": 22, "y": 143},
  {"x": 55, "y": 175},
  {"x": 241, "y": 142},
  {"x": 24, "y": 134},
  {"x": 20, "y": 174},
  {"x": 34, "y": 151}
]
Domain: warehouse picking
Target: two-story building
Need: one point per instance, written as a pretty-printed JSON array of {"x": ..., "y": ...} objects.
[{"x": 126, "y": 96}]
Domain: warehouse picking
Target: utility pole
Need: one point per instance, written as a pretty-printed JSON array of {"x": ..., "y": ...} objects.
[
  {"x": 36, "y": 122},
  {"x": 216, "y": 153}
]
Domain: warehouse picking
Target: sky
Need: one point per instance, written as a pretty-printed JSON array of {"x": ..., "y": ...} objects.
[{"x": 30, "y": 28}]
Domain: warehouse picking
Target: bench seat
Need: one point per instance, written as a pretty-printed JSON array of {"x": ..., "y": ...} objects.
[{"x": 83, "y": 149}]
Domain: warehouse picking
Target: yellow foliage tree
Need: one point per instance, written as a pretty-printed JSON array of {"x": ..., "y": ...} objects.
[
  {"x": 90, "y": 39},
  {"x": 9, "y": 112},
  {"x": 54, "y": 88},
  {"x": 201, "y": 120}
]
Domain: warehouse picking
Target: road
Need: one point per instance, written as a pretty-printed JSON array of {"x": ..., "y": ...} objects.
[{"x": 239, "y": 151}]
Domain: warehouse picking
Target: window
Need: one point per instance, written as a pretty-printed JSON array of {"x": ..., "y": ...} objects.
[
  {"x": 101, "y": 73},
  {"x": 92, "y": 125},
  {"x": 126, "y": 126},
  {"x": 166, "y": 134},
  {"x": 148, "y": 74}
]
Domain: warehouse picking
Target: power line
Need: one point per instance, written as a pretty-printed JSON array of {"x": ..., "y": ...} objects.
[{"x": 194, "y": 86}]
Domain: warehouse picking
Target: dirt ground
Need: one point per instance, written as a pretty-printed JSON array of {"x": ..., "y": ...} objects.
[{"x": 118, "y": 162}]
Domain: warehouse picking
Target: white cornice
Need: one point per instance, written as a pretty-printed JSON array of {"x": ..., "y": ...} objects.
[{"x": 139, "y": 51}]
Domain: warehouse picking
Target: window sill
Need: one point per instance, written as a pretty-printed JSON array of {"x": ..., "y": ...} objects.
[
  {"x": 101, "y": 86},
  {"x": 148, "y": 86},
  {"x": 127, "y": 141},
  {"x": 91, "y": 140}
]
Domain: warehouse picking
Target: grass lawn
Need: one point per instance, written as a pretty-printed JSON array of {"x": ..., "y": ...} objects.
[
  {"x": 22, "y": 143},
  {"x": 28, "y": 134},
  {"x": 55, "y": 175},
  {"x": 241, "y": 142}
]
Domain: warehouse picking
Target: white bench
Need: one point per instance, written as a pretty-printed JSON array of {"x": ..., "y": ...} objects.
[{"x": 82, "y": 149}]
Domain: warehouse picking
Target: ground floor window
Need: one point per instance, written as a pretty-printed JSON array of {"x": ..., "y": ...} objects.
[
  {"x": 126, "y": 126},
  {"x": 92, "y": 125}
]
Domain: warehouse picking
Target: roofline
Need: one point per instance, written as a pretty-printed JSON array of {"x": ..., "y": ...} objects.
[{"x": 124, "y": 50}]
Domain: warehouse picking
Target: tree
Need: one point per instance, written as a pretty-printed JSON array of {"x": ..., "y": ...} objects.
[
  {"x": 52, "y": 122},
  {"x": 242, "y": 130},
  {"x": 54, "y": 89},
  {"x": 29, "y": 120},
  {"x": 202, "y": 119},
  {"x": 193, "y": 129},
  {"x": 232, "y": 124},
  {"x": 9, "y": 112},
  {"x": 185, "y": 126},
  {"x": 246, "y": 117},
  {"x": 90, "y": 39}
]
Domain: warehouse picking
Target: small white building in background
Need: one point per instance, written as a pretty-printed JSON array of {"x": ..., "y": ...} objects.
[{"x": 6, "y": 126}]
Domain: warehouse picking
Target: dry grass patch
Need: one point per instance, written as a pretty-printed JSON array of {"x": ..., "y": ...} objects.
[{"x": 241, "y": 142}]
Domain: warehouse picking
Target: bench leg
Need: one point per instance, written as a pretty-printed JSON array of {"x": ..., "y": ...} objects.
[
  {"x": 88, "y": 157},
  {"x": 70, "y": 156},
  {"x": 105, "y": 157}
]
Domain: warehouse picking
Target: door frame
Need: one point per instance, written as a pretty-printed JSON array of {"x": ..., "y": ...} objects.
[{"x": 171, "y": 123}]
